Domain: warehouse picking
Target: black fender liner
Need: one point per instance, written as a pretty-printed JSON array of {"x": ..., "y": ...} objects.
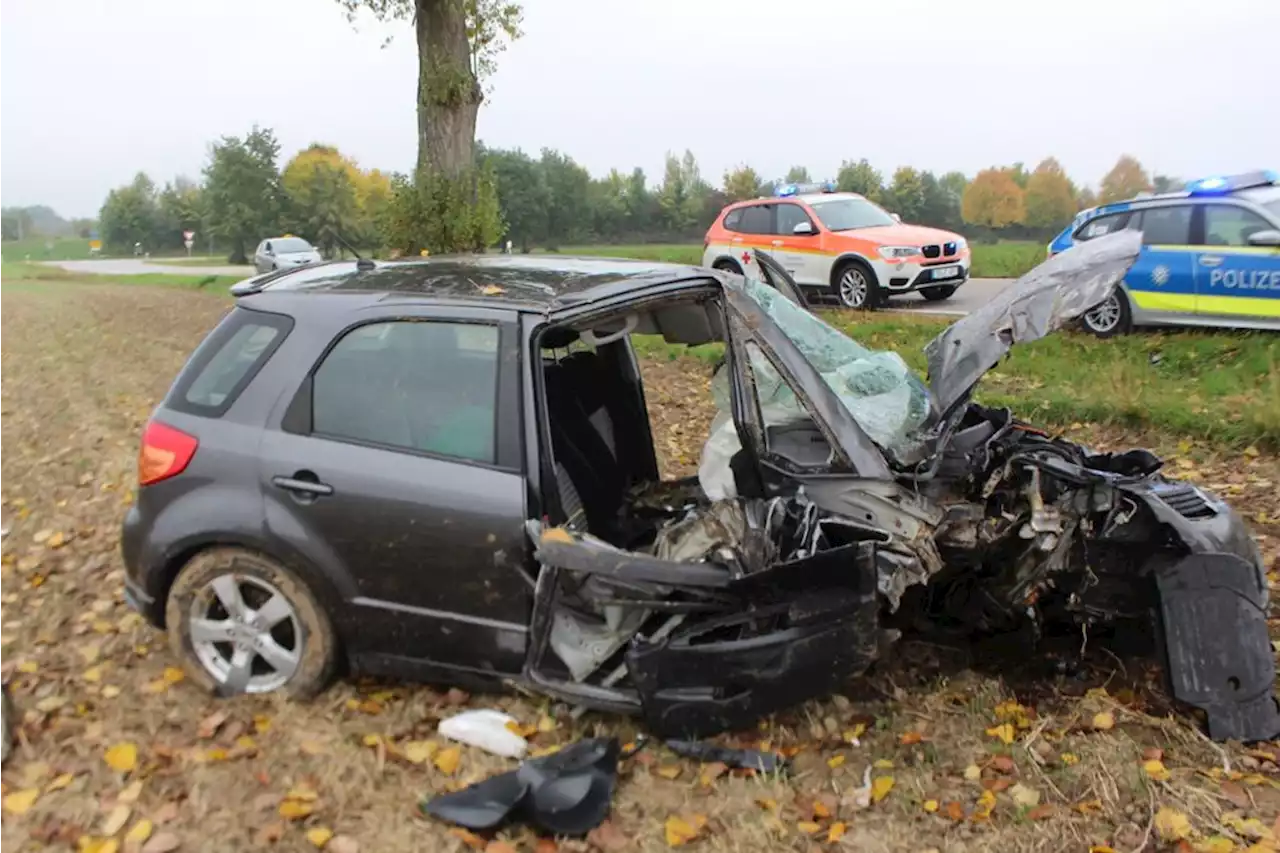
[{"x": 1218, "y": 650}]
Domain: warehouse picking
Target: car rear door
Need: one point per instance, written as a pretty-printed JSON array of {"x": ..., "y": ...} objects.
[
  {"x": 798, "y": 254},
  {"x": 396, "y": 467},
  {"x": 1162, "y": 281},
  {"x": 1234, "y": 280}
]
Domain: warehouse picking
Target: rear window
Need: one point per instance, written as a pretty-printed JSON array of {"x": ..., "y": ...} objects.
[{"x": 226, "y": 362}]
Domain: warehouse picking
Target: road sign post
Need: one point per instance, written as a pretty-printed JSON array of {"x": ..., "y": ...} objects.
[{"x": 188, "y": 240}]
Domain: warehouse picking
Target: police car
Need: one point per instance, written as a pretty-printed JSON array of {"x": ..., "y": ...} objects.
[
  {"x": 1210, "y": 256},
  {"x": 838, "y": 243}
]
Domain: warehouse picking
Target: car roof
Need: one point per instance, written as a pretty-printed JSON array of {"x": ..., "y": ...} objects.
[
  {"x": 524, "y": 282},
  {"x": 807, "y": 198}
]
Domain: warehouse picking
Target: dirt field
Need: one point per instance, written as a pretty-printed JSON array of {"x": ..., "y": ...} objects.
[{"x": 115, "y": 744}]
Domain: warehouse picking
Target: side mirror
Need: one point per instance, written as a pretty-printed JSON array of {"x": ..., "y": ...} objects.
[
  {"x": 896, "y": 217},
  {"x": 1267, "y": 237},
  {"x": 803, "y": 229}
]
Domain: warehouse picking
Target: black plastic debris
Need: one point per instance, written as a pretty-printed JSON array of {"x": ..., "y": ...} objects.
[
  {"x": 567, "y": 793},
  {"x": 737, "y": 759}
]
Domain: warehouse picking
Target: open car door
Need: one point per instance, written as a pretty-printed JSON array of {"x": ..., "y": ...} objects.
[{"x": 779, "y": 279}]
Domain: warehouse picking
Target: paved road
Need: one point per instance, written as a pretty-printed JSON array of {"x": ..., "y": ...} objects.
[
  {"x": 975, "y": 292},
  {"x": 131, "y": 266}
]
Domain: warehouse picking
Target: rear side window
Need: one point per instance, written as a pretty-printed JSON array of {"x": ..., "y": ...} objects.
[
  {"x": 1166, "y": 226},
  {"x": 226, "y": 362},
  {"x": 757, "y": 219},
  {"x": 422, "y": 386},
  {"x": 1101, "y": 225},
  {"x": 732, "y": 218}
]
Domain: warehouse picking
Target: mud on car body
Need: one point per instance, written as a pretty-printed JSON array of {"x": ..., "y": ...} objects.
[{"x": 528, "y": 537}]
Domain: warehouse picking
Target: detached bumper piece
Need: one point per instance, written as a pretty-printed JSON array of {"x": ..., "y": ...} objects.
[{"x": 1218, "y": 648}]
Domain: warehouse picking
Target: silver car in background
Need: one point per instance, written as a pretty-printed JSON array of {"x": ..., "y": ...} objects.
[{"x": 279, "y": 253}]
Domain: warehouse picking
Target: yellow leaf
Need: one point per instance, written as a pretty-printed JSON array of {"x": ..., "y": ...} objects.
[
  {"x": 295, "y": 809},
  {"x": 544, "y": 750},
  {"x": 1171, "y": 825},
  {"x": 1104, "y": 720},
  {"x": 131, "y": 793},
  {"x": 767, "y": 803},
  {"x": 1216, "y": 844},
  {"x": 1102, "y": 848},
  {"x": 93, "y": 674},
  {"x": 116, "y": 819},
  {"x": 1088, "y": 806},
  {"x": 261, "y": 723},
  {"x": 1004, "y": 732},
  {"x": 60, "y": 782},
  {"x": 173, "y": 675},
  {"x": 319, "y": 836},
  {"x": 854, "y": 733},
  {"x": 973, "y": 772},
  {"x": 546, "y": 724},
  {"x": 303, "y": 793},
  {"x": 880, "y": 788},
  {"x": 419, "y": 751},
  {"x": 1009, "y": 710},
  {"x": 447, "y": 760},
  {"x": 931, "y": 806},
  {"x": 1024, "y": 796},
  {"x": 883, "y": 764},
  {"x": 138, "y": 833},
  {"x": 680, "y": 831},
  {"x": 20, "y": 802},
  {"x": 836, "y": 832},
  {"x": 835, "y": 761},
  {"x": 110, "y": 691},
  {"x": 669, "y": 771},
  {"x": 808, "y": 827},
  {"x": 122, "y": 757},
  {"x": 28, "y": 666},
  {"x": 1156, "y": 770},
  {"x": 1069, "y": 758},
  {"x": 1251, "y": 828},
  {"x": 986, "y": 802},
  {"x": 97, "y": 845}
]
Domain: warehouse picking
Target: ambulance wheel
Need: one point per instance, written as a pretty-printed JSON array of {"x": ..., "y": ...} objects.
[
  {"x": 1110, "y": 317},
  {"x": 727, "y": 266},
  {"x": 937, "y": 294},
  {"x": 856, "y": 287}
]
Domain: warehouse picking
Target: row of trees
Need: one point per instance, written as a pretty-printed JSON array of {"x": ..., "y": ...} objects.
[{"x": 551, "y": 200}]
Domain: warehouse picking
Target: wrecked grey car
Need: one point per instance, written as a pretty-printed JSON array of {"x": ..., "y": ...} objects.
[{"x": 443, "y": 469}]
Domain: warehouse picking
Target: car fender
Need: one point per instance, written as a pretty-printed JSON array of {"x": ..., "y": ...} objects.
[{"x": 850, "y": 255}]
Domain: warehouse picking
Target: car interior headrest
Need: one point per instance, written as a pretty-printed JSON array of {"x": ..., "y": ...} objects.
[{"x": 558, "y": 338}]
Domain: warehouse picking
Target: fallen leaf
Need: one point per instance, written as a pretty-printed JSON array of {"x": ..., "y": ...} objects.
[
  {"x": 131, "y": 793},
  {"x": 1152, "y": 753},
  {"x": 1156, "y": 770},
  {"x": 122, "y": 757},
  {"x": 852, "y": 735},
  {"x": 767, "y": 803},
  {"x": 836, "y": 832},
  {"x": 669, "y": 771},
  {"x": 973, "y": 772},
  {"x": 295, "y": 809},
  {"x": 835, "y": 761},
  {"x": 97, "y": 845},
  {"x": 954, "y": 810},
  {"x": 492, "y": 290},
  {"x": 1104, "y": 720},
  {"x": 162, "y": 842},
  {"x": 468, "y": 838},
  {"x": 931, "y": 806},
  {"x": 1249, "y": 828},
  {"x": 997, "y": 784},
  {"x": 546, "y": 724},
  {"x": 1024, "y": 796},
  {"x": 1237, "y": 795},
  {"x": 116, "y": 819},
  {"x": 209, "y": 725},
  {"x": 1088, "y": 806},
  {"x": 319, "y": 836},
  {"x": 1004, "y": 732},
  {"x": 606, "y": 837},
  {"x": 808, "y": 827},
  {"x": 680, "y": 831},
  {"x": 880, "y": 788},
  {"x": 1215, "y": 844},
  {"x": 1102, "y": 848},
  {"x": 262, "y": 724},
  {"x": 1172, "y": 825},
  {"x": 711, "y": 772},
  {"x": 419, "y": 751},
  {"x": 986, "y": 803},
  {"x": 883, "y": 764},
  {"x": 1040, "y": 812},
  {"x": 20, "y": 802},
  {"x": 446, "y": 760},
  {"x": 59, "y": 782},
  {"x": 137, "y": 836},
  {"x": 1003, "y": 763},
  {"x": 49, "y": 704},
  {"x": 910, "y": 738},
  {"x": 343, "y": 844}
]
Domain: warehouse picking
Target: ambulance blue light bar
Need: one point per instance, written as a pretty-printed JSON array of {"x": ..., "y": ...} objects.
[
  {"x": 1220, "y": 184},
  {"x": 784, "y": 190}
]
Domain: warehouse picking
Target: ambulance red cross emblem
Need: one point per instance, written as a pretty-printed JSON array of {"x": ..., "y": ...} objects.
[{"x": 746, "y": 257}]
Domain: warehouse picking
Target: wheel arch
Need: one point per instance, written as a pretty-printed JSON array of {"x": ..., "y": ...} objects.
[
  {"x": 723, "y": 260},
  {"x": 845, "y": 258}
]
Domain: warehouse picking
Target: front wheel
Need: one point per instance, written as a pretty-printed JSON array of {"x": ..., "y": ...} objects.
[
  {"x": 728, "y": 266},
  {"x": 1110, "y": 317},
  {"x": 856, "y": 287},
  {"x": 242, "y": 623},
  {"x": 937, "y": 294}
]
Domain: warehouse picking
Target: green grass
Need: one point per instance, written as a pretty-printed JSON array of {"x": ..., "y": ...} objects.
[
  {"x": 17, "y": 272},
  {"x": 1219, "y": 387},
  {"x": 1001, "y": 260},
  {"x": 45, "y": 249}
]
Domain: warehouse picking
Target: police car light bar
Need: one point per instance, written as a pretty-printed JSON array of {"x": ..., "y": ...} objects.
[
  {"x": 1231, "y": 183},
  {"x": 784, "y": 190}
]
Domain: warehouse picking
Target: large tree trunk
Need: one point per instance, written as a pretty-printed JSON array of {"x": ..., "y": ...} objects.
[{"x": 448, "y": 93}]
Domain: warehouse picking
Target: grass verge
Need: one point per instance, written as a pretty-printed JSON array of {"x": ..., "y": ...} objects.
[
  {"x": 18, "y": 272},
  {"x": 1221, "y": 387},
  {"x": 1001, "y": 260}
]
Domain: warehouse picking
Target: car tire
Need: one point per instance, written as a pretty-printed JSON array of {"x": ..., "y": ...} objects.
[
  {"x": 854, "y": 285},
  {"x": 1110, "y": 317},
  {"x": 285, "y": 644},
  {"x": 937, "y": 294},
  {"x": 727, "y": 266}
]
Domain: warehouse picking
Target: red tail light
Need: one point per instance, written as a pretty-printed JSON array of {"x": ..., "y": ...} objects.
[{"x": 165, "y": 452}]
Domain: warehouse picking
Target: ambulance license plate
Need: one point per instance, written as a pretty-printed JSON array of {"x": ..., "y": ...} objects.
[{"x": 945, "y": 272}]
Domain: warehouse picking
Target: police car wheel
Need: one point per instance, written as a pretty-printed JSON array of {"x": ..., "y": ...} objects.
[
  {"x": 1110, "y": 317},
  {"x": 856, "y": 287}
]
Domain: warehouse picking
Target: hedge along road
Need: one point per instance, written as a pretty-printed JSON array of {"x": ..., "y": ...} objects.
[{"x": 972, "y": 295}]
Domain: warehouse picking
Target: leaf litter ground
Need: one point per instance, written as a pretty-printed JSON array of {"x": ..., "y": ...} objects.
[{"x": 118, "y": 751}]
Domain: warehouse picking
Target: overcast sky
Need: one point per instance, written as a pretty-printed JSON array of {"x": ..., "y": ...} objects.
[{"x": 92, "y": 91}]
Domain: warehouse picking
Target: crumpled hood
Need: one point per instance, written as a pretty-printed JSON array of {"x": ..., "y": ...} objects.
[{"x": 1042, "y": 301}]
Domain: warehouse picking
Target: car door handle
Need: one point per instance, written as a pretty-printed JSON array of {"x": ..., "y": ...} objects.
[
  {"x": 737, "y": 239},
  {"x": 302, "y": 484},
  {"x": 1210, "y": 260}
]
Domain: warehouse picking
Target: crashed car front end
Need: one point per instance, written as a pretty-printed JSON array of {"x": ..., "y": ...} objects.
[{"x": 841, "y": 502}]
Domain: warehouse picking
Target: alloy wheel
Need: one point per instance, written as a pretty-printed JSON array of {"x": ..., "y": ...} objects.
[
  {"x": 245, "y": 633},
  {"x": 1105, "y": 316},
  {"x": 853, "y": 288}
]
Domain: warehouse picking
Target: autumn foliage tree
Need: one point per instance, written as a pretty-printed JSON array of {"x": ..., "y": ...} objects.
[
  {"x": 458, "y": 43},
  {"x": 742, "y": 183},
  {"x": 994, "y": 200},
  {"x": 1050, "y": 197},
  {"x": 1126, "y": 179}
]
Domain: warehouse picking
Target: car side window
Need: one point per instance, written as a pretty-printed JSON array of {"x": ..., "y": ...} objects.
[
  {"x": 1228, "y": 225},
  {"x": 757, "y": 219},
  {"x": 1101, "y": 225},
  {"x": 1166, "y": 226},
  {"x": 791, "y": 215},
  {"x": 266, "y": 247},
  {"x": 733, "y": 219},
  {"x": 429, "y": 387}
]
